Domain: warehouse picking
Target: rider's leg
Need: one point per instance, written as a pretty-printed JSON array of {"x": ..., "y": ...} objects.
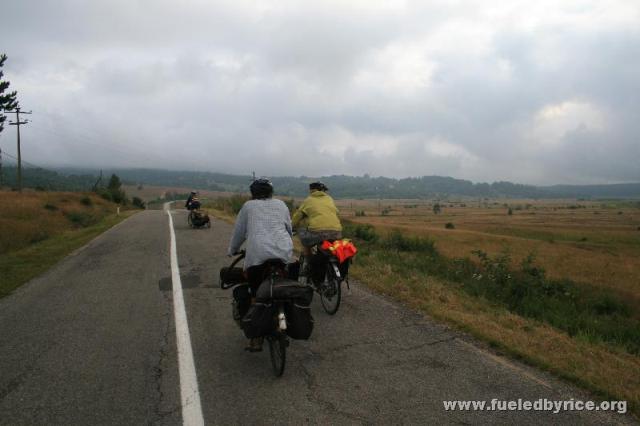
[{"x": 255, "y": 275}]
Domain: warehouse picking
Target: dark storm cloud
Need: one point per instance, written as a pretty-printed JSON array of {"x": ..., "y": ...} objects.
[{"x": 536, "y": 93}]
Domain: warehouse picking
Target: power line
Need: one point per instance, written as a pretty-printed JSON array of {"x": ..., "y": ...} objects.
[{"x": 26, "y": 162}]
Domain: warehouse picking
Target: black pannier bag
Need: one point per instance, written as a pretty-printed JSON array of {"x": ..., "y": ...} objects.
[
  {"x": 297, "y": 311},
  {"x": 259, "y": 320},
  {"x": 299, "y": 321},
  {"x": 293, "y": 270},
  {"x": 284, "y": 288},
  {"x": 229, "y": 275}
]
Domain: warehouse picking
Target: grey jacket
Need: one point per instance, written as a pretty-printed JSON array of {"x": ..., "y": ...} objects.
[{"x": 266, "y": 227}]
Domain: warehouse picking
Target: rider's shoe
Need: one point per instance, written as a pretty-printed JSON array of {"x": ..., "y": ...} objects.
[{"x": 255, "y": 344}]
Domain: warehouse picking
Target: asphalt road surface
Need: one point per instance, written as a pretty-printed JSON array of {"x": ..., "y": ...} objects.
[{"x": 93, "y": 341}]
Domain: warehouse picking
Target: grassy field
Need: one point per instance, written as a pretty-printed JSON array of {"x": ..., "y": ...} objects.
[
  {"x": 591, "y": 242},
  {"x": 37, "y": 229},
  {"x": 573, "y": 309}
]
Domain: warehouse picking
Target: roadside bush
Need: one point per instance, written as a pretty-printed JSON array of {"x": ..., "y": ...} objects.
[
  {"x": 360, "y": 213},
  {"x": 80, "y": 219},
  {"x": 86, "y": 201},
  {"x": 50, "y": 207},
  {"x": 396, "y": 240},
  {"x": 577, "y": 309},
  {"x": 450, "y": 225},
  {"x": 40, "y": 235},
  {"x": 137, "y": 202},
  {"x": 231, "y": 204},
  {"x": 364, "y": 232}
]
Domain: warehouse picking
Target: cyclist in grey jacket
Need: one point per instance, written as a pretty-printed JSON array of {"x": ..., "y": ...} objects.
[{"x": 265, "y": 224}]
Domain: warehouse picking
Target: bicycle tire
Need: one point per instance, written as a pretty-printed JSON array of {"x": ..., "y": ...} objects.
[
  {"x": 330, "y": 292},
  {"x": 277, "y": 353}
]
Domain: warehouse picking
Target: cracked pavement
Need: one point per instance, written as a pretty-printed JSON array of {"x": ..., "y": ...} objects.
[{"x": 92, "y": 341}]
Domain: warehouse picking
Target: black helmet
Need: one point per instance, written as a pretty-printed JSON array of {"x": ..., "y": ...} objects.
[
  {"x": 261, "y": 188},
  {"x": 319, "y": 186}
]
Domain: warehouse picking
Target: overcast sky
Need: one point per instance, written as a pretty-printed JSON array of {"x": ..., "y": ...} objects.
[{"x": 533, "y": 92}]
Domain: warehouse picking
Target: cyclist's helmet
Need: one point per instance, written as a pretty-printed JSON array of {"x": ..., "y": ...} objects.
[
  {"x": 261, "y": 189},
  {"x": 318, "y": 186}
]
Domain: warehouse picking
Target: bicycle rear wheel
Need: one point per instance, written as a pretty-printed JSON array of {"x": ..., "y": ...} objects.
[
  {"x": 330, "y": 292},
  {"x": 278, "y": 353}
]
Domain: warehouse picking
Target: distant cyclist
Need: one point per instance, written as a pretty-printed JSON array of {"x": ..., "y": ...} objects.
[
  {"x": 264, "y": 223},
  {"x": 316, "y": 220},
  {"x": 193, "y": 203}
]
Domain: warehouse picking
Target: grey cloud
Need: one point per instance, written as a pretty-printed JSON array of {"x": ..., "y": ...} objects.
[{"x": 237, "y": 87}]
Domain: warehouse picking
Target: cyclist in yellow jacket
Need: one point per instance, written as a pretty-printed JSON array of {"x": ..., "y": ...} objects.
[{"x": 320, "y": 215}]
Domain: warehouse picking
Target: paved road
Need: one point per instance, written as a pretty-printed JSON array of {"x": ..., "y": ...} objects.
[{"x": 93, "y": 341}]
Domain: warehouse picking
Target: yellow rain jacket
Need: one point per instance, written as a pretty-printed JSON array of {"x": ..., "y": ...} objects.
[{"x": 319, "y": 212}]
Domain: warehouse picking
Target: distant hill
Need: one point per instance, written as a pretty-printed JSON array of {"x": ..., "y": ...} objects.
[
  {"x": 48, "y": 180},
  {"x": 341, "y": 186}
]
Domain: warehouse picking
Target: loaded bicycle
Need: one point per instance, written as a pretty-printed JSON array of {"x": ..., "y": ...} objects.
[
  {"x": 280, "y": 310},
  {"x": 327, "y": 271}
]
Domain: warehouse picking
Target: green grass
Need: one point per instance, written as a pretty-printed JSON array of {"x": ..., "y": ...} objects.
[{"x": 18, "y": 267}]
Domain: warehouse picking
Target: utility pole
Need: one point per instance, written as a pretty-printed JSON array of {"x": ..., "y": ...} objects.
[
  {"x": 1, "y": 175},
  {"x": 18, "y": 123}
]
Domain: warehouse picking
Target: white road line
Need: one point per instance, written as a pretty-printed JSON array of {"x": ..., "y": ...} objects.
[{"x": 189, "y": 393}]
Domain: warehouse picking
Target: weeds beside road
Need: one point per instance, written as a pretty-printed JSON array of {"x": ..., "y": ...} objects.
[
  {"x": 582, "y": 333},
  {"x": 38, "y": 229}
]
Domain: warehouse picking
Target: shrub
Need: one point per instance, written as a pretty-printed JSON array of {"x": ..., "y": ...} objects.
[
  {"x": 80, "y": 219},
  {"x": 40, "y": 235},
  {"x": 364, "y": 232},
  {"x": 529, "y": 268},
  {"x": 104, "y": 194},
  {"x": 86, "y": 201},
  {"x": 450, "y": 225},
  {"x": 50, "y": 207},
  {"x": 137, "y": 202},
  {"x": 231, "y": 204},
  {"x": 360, "y": 213},
  {"x": 510, "y": 211},
  {"x": 291, "y": 205},
  {"x": 396, "y": 240}
]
